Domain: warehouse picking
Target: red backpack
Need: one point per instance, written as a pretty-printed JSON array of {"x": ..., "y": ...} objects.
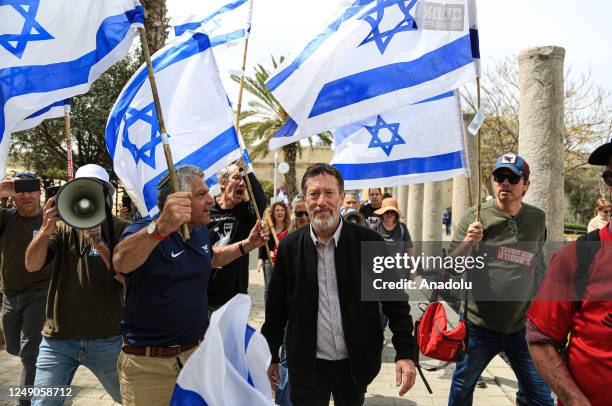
[{"x": 436, "y": 340}]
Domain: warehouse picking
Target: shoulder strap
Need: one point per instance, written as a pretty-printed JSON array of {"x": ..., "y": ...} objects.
[
  {"x": 403, "y": 230},
  {"x": 586, "y": 249},
  {"x": 6, "y": 217}
]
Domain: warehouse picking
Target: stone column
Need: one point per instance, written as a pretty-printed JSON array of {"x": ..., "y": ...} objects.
[
  {"x": 542, "y": 131},
  {"x": 414, "y": 215},
  {"x": 461, "y": 202},
  {"x": 402, "y": 200},
  {"x": 432, "y": 212}
]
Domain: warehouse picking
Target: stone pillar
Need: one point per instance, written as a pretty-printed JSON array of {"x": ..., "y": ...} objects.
[
  {"x": 402, "y": 200},
  {"x": 414, "y": 215},
  {"x": 432, "y": 212},
  {"x": 542, "y": 131},
  {"x": 460, "y": 202}
]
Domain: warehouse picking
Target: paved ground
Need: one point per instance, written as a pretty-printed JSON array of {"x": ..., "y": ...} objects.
[{"x": 500, "y": 378}]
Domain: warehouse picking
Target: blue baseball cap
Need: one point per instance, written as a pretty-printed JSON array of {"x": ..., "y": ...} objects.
[{"x": 513, "y": 162}]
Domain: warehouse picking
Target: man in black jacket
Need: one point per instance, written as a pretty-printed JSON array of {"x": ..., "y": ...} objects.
[{"x": 334, "y": 340}]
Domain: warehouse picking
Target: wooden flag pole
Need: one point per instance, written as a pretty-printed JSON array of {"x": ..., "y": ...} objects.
[
  {"x": 68, "y": 130},
  {"x": 479, "y": 194},
  {"x": 162, "y": 126},
  {"x": 237, "y": 128}
]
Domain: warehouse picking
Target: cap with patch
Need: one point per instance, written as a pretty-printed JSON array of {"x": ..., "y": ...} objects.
[
  {"x": 601, "y": 156},
  {"x": 513, "y": 162}
]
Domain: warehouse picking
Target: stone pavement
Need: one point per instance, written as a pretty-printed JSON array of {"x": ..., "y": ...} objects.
[{"x": 500, "y": 390}]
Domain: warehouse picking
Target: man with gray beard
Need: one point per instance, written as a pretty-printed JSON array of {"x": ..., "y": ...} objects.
[{"x": 334, "y": 340}]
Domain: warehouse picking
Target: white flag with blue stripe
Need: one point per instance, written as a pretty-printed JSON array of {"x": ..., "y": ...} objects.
[
  {"x": 230, "y": 366},
  {"x": 52, "y": 50},
  {"x": 224, "y": 21},
  {"x": 55, "y": 110},
  {"x": 197, "y": 115},
  {"x": 377, "y": 55},
  {"x": 416, "y": 144}
]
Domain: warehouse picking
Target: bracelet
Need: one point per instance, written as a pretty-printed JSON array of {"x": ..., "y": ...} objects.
[{"x": 242, "y": 251}]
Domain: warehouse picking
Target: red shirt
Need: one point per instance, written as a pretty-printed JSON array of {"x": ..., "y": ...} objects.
[{"x": 590, "y": 325}]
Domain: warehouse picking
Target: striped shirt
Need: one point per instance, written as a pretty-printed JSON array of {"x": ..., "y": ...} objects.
[{"x": 330, "y": 333}]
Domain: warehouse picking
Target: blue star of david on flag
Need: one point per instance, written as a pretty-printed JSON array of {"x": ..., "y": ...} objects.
[
  {"x": 146, "y": 153},
  {"x": 31, "y": 30},
  {"x": 386, "y": 146},
  {"x": 383, "y": 39}
]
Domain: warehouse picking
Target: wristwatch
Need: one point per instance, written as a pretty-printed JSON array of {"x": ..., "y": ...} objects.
[{"x": 153, "y": 232}]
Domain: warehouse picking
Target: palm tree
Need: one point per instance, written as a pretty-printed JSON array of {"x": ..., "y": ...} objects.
[
  {"x": 156, "y": 24},
  {"x": 264, "y": 117}
]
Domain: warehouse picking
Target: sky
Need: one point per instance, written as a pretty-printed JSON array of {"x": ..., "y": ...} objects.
[{"x": 583, "y": 28}]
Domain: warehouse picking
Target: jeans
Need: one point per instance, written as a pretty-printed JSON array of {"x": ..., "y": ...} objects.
[
  {"x": 483, "y": 345},
  {"x": 59, "y": 359},
  {"x": 283, "y": 392},
  {"x": 267, "y": 277},
  {"x": 23, "y": 316},
  {"x": 384, "y": 320}
]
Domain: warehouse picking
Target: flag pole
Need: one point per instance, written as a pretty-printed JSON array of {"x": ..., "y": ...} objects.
[
  {"x": 162, "y": 125},
  {"x": 237, "y": 119},
  {"x": 68, "y": 130},
  {"x": 479, "y": 194}
]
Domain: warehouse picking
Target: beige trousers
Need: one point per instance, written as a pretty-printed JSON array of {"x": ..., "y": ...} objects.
[{"x": 148, "y": 381}]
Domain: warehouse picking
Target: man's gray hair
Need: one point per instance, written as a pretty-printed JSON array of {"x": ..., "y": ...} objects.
[
  {"x": 224, "y": 174},
  {"x": 184, "y": 176},
  {"x": 297, "y": 199},
  {"x": 353, "y": 194}
]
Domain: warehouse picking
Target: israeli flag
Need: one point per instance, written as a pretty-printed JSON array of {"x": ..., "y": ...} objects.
[
  {"x": 55, "y": 110},
  {"x": 230, "y": 366},
  {"x": 52, "y": 50},
  {"x": 224, "y": 21},
  {"x": 196, "y": 111},
  {"x": 420, "y": 143},
  {"x": 377, "y": 55}
]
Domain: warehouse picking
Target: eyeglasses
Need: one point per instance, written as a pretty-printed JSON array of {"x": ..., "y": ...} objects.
[
  {"x": 501, "y": 177},
  {"x": 24, "y": 175},
  {"x": 607, "y": 177},
  {"x": 607, "y": 211},
  {"x": 301, "y": 213}
]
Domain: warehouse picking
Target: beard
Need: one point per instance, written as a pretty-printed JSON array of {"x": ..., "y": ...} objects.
[{"x": 322, "y": 224}]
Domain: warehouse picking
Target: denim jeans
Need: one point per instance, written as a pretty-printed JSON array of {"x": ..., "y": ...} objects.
[
  {"x": 384, "y": 320},
  {"x": 59, "y": 359},
  {"x": 283, "y": 392},
  {"x": 23, "y": 315},
  {"x": 483, "y": 345}
]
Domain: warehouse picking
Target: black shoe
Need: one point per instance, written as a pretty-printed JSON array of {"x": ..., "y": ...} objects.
[{"x": 480, "y": 383}]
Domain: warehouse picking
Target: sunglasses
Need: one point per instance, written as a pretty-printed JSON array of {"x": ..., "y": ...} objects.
[
  {"x": 501, "y": 177},
  {"x": 24, "y": 175},
  {"x": 607, "y": 211},
  {"x": 301, "y": 213},
  {"x": 607, "y": 177}
]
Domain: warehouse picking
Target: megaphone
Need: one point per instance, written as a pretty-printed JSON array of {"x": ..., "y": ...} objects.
[{"x": 81, "y": 203}]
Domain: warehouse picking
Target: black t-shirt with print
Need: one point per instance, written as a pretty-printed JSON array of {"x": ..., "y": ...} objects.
[{"x": 228, "y": 226}]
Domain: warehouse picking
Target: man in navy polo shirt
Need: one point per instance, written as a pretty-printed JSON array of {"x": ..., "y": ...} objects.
[{"x": 167, "y": 279}]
